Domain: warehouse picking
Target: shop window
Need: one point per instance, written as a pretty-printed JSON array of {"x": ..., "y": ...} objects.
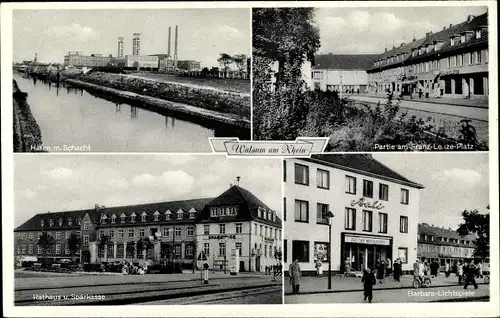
[
  {"x": 301, "y": 211},
  {"x": 405, "y": 196},
  {"x": 350, "y": 185},
  {"x": 458, "y": 86},
  {"x": 300, "y": 251},
  {"x": 284, "y": 209},
  {"x": 403, "y": 224},
  {"x": 322, "y": 210},
  {"x": 350, "y": 219},
  {"x": 323, "y": 179},
  {"x": 478, "y": 85},
  {"x": 301, "y": 174},
  {"x": 383, "y": 192},
  {"x": 403, "y": 254},
  {"x": 367, "y": 221},
  {"x": 447, "y": 86},
  {"x": 367, "y": 189},
  {"x": 382, "y": 220}
]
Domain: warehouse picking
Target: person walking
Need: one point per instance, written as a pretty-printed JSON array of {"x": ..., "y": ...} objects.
[
  {"x": 460, "y": 272},
  {"x": 368, "y": 281},
  {"x": 389, "y": 267},
  {"x": 397, "y": 270},
  {"x": 470, "y": 275},
  {"x": 294, "y": 272},
  {"x": 480, "y": 269},
  {"x": 347, "y": 267},
  {"x": 381, "y": 272},
  {"x": 319, "y": 268},
  {"x": 447, "y": 269},
  {"x": 434, "y": 269}
]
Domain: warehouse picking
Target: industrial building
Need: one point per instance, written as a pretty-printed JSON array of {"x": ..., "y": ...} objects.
[{"x": 77, "y": 59}]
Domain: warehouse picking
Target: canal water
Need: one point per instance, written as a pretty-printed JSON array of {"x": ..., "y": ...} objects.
[{"x": 70, "y": 116}]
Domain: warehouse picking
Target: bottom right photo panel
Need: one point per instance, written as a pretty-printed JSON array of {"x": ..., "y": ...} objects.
[{"x": 386, "y": 228}]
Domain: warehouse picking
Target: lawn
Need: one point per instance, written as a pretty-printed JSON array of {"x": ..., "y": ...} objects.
[{"x": 231, "y": 85}]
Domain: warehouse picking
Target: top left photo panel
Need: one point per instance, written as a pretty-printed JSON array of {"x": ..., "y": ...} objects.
[{"x": 130, "y": 80}]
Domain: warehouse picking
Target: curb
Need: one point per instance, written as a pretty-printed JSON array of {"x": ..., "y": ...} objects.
[
  {"x": 361, "y": 290},
  {"x": 432, "y": 102}
]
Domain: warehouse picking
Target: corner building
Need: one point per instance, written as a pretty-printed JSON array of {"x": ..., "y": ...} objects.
[{"x": 375, "y": 210}]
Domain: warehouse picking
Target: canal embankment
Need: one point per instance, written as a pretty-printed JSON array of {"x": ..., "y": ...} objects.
[
  {"x": 197, "y": 101},
  {"x": 27, "y": 136}
]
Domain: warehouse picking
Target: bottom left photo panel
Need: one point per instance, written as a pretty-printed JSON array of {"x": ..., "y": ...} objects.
[{"x": 147, "y": 230}]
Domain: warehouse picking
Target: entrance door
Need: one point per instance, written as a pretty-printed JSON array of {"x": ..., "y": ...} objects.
[
  {"x": 257, "y": 264},
  {"x": 85, "y": 257}
]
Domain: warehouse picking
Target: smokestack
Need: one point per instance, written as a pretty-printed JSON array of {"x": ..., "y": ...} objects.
[
  {"x": 169, "y": 41},
  {"x": 175, "y": 46},
  {"x": 120, "y": 47},
  {"x": 238, "y": 180}
]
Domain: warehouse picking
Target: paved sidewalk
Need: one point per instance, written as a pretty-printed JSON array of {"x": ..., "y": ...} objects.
[
  {"x": 311, "y": 285},
  {"x": 449, "y": 101}
]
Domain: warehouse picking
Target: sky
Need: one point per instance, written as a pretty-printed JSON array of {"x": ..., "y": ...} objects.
[
  {"x": 453, "y": 182},
  {"x": 370, "y": 30},
  {"x": 203, "y": 33},
  {"x": 55, "y": 183}
]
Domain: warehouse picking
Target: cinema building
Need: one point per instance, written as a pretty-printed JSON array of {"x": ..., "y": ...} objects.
[
  {"x": 375, "y": 212},
  {"x": 153, "y": 231},
  {"x": 238, "y": 221},
  {"x": 450, "y": 63}
]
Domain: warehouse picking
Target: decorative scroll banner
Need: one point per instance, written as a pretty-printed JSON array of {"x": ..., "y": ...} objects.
[{"x": 301, "y": 147}]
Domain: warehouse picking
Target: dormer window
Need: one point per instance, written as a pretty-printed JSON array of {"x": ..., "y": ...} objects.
[
  {"x": 123, "y": 217},
  {"x": 167, "y": 215},
  {"x": 223, "y": 212},
  {"x": 51, "y": 223},
  {"x": 462, "y": 38},
  {"x": 132, "y": 217},
  {"x": 103, "y": 218},
  {"x": 180, "y": 214},
  {"x": 478, "y": 34},
  {"x": 156, "y": 216},
  {"x": 70, "y": 221},
  {"x": 113, "y": 218},
  {"x": 79, "y": 221},
  {"x": 452, "y": 41},
  {"x": 143, "y": 216},
  {"x": 60, "y": 221},
  {"x": 213, "y": 212},
  {"x": 42, "y": 223},
  {"x": 192, "y": 213}
]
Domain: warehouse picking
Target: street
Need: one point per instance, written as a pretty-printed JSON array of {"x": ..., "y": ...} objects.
[{"x": 153, "y": 288}]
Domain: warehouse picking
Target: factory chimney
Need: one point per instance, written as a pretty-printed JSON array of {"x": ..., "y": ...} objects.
[
  {"x": 120, "y": 47},
  {"x": 175, "y": 47},
  {"x": 169, "y": 41}
]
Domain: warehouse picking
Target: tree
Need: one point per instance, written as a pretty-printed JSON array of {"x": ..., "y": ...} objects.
[
  {"x": 104, "y": 241},
  {"x": 147, "y": 245},
  {"x": 130, "y": 249},
  {"x": 241, "y": 61},
  {"x": 45, "y": 242},
  {"x": 140, "y": 246},
  {"x": 73, "y": 245},
  {"x": 478, "y": 225},
  {"x": 225, "y": 60}
]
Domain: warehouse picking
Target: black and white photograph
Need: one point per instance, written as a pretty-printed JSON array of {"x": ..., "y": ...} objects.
[
  {"x": 373, "y": 78},
  {"x": 183, "y": 229},
  {"x": 398, "y": 228},
  {"x": 130, "y": 80}
]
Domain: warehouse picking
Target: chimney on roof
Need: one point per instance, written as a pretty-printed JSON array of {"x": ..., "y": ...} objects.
[
  {"x": 444, "y": 28},
  {"x": 238, "y": 180},
  {"x": 402, "y": 44},
  {"x": 470, "y": 17},
  {"x": 451, "y": 25}
]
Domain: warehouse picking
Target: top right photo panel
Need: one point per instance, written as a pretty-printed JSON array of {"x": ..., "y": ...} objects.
[{"x": 373, "y": 78}]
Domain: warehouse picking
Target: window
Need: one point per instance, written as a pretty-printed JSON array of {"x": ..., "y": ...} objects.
[
  {"x": 323, "y": 179},
  {"x": 486, "y": 57},
  {"x": 78, "y": 233},
  {"x": 301, "y": 174},
  {"x": 86, "y": 226},
  {"x": 192, "y": 215},
  {"x": 178, "y": 231},
  {"x": 111, "y": 233},
  {"x": 213, "y": 212},
  {"x": 265, "y": 250},
  {"x": 448, "y": 62},
  {"x": 367, "y": 221},
  {"x": 66, "y": 250},
  {"x": 403, "y": 224},
  {"x": 300, "y": 251},
  {"x": 143, "y": 217},
  {"x": 301, "y": 211},
  {"x": 68, "y": 234},
  {"x": 452, "y": 41},
  {"x": 222, "y": 228},
  {"x": 261, "y": 230},
  {"x": 350, "y": 219},
  {"x": 39, "y": 250},
  {"x": 478, "y": 57},
  {"x": 70, "y": 222},
  {"x": 322, "y": 210},
  {"x": 30, "y": 249},
  {"x": 222, "y": 249},
  {"x": 383, "y": 192},
  {"x": 206, "y": 249},
  {"x": 405, "y": 196},
  {"x": 256, "y": 232},
  {"x": 122, "y": 218},
  {"x": 58, "y": 235},
  {"x": 350, "y": 185},
  {"x": 382, "y": 222},
  {"x": 113, "y": 218},
  {"x": 238, "y": 247},
  {"x": 239, "y": 228},
  {"x": 403, "y": 254},
  {"x": 285, "y": 251},
  {"x": 284, "y": 170},
  {"x": 206, "y": 229},
  {"x": 141, "y": 232},
  {"x": 284, "y": 209},
  {"x": 120, "y": 251},
  {"x": 131, "y": 233},
  {"x": 367, "y": 189},
  {"x": 190, "y": 231},
  {"x": 58, "y": 249},
  {"x": 85, "y": 240},
  {"x": 458, "y": 86},
  {"x": 166, "y": 232},
  {"x": 156, "y": 216},
  {"x": 121, "y": 233}
]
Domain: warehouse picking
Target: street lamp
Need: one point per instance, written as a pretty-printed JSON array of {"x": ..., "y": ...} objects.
[{"x": 330, "y": 217}]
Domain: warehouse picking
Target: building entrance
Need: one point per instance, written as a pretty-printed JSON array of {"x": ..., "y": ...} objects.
[{"x": 362, "y": 252}]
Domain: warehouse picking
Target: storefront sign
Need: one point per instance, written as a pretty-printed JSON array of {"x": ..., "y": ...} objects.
[
  {"x": 321, "y": 251},
  {"x": 366, "y": 204},
  {"x": 367, "y": 240},
  {"x": 452, "y": 72},
  {"x": 222, "y": 236}
]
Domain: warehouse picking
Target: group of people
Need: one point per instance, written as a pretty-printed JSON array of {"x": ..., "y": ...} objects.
[
  {"x": 274, "y": 269},
  {"x": 387, "y": 268},
  {"x": 129, "y": 268}
]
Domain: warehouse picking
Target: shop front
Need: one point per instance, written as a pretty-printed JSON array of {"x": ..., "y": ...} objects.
[{"x": 364, "y": 251}]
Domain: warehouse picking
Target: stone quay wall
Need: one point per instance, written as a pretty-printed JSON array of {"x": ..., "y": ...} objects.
[{"x": 26, "y": 132}]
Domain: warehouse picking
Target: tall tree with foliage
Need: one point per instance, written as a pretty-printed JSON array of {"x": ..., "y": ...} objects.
[
  {"x": 45, "y": 242},
  {"x": 104, "y": 241},
  {"x": 477, "y": 224},
  {"x": 74, "y": 244},
  {"x": 225, "y": 60},
  {"x": 147, "y": 245},
  {"x": 130, "y": 249},
  {"x": 241, "y": 61}
]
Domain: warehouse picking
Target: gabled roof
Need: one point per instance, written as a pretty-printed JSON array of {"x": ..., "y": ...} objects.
[
  {"x": 363, "y": 164},
  {"x": 437, "y": 232},
  {"x": 344, "y": 61}
]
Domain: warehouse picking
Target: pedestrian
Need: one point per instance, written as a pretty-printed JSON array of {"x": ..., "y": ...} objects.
[
  {"x": 416, "y": 268},
  {"x": 434, "y": 269},
  {"x": 389, "y": 267},
  {"x": 294, "y": 272},
  {"x": 447, "y": 269},
  {"x": 381, "y": 272},
  {"x": 426, "y": 268},
  {"x": 480, "y": 269},
  {"x": 397, "y": 270},
  {"x": 470, "y": 276},
  {"x": 368, "y": 281},
  {"x": 265, "y": 269},
  {"x": 460, "y": 272},
  {"x": 347, "y": 267},
  {"x": 319, "y": 268}
]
